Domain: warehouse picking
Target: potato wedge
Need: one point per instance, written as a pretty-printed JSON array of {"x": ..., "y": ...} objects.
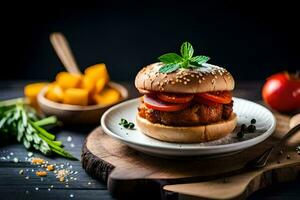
[
  {"x": 107, "y": 97},
  {"x": 76, "y": 96},
  {"x": 100, "y": 84},
  {"x": 33, "y": 89},
  {"x": 67, "y": 80},
  {"x": 55, "y": 93},
  {"x": 88, "y": 84},
  {"x": 97, "y": 72}
]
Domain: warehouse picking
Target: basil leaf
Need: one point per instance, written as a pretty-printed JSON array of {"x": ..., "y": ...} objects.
[
  {"x": 187, "y": 50},
  {"x": 195, "y": 65},
  {"x": 184, "y": 64},
  {"x": 168, "y": 68},
  {"x": 200, "y": 59},
  {"x": 170, "y": 58}
]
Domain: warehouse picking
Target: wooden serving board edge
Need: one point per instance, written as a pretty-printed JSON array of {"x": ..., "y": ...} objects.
[{"x": 93, "y": 165}]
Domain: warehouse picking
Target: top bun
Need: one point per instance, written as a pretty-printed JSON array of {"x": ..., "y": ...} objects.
[{"x": 203, "y": 79}]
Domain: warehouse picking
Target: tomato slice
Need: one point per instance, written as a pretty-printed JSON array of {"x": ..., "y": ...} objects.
[
  {"x": 175, "y": 98},
  {"x": 204, "y": 101},
  {"x": 223, "y": 97},
  {"x": 154, "y": 103}
]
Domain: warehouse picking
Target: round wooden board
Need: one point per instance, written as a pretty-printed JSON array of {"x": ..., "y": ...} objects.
[{"x": 130, "y": 174}]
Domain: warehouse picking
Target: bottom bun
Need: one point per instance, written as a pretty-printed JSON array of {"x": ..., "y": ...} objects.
[{"x": 191, "y": 134}]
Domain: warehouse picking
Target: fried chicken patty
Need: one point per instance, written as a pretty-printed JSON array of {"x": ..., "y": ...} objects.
[{"x": 195, "y": 114}]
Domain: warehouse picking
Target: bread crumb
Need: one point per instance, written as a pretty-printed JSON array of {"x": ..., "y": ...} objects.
[
  {"x": 50, "y": 167},
  {"x": 37, "y": 161},
  {"x": 61, "y": 174},
  {"x": 41, "y": 173}
]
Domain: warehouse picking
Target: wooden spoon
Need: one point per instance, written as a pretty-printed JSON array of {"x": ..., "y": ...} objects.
[{"x": 64, "y": 52}]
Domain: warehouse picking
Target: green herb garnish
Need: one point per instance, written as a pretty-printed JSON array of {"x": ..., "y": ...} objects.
[
  {"x": 173, "y": 61},
  {"x": 21, "y": 121},
  {"x": 126, "y": 124}
]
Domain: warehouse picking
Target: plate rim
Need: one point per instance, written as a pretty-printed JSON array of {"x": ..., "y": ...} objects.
[{"x": 245, "y": 143}]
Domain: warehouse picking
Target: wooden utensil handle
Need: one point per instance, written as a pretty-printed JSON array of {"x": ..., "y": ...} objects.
[{"x": 63, "y": 50}]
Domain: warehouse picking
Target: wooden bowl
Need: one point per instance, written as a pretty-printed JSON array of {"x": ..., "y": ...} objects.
[{"x": 74, "y": 114}]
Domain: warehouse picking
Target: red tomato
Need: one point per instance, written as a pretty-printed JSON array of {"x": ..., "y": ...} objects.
[
  {"x": 205, "y": 101},
  {"x": 154, "y": 103},
  {"x": 175, "y": 98},
  {"x": 282, "y": 92},
  {"x": 223, "y": 97}
]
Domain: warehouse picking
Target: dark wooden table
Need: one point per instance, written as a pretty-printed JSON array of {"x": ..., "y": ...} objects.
[{"x": 81, "y": 186}]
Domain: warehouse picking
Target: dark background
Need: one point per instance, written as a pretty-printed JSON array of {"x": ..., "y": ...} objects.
[{"x": 251, "y": 39}]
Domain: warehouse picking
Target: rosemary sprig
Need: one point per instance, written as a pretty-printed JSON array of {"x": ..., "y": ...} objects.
[{"x": 21, "y": 121}]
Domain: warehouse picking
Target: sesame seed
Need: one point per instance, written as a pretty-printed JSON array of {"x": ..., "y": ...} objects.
[{"x": 184, "y": 82}]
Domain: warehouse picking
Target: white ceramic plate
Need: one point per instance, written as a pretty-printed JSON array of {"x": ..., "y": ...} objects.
[{"x": 245, "y": 110}]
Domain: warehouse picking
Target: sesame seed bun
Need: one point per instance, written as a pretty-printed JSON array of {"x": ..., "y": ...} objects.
[
  {"x": 192, "y": 134},
  {"x": 204, "y": 79}
]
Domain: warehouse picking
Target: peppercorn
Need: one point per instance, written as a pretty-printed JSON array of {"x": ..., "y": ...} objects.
[
  {"x": 243, "y": 127},
  {"x": 253, "y": 121},
  {"x": 251, "y": 128},
  {"x": 240, "y": 134}
]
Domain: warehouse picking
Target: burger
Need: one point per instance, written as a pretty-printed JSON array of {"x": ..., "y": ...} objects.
[{"x": 185, "y": 99}]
